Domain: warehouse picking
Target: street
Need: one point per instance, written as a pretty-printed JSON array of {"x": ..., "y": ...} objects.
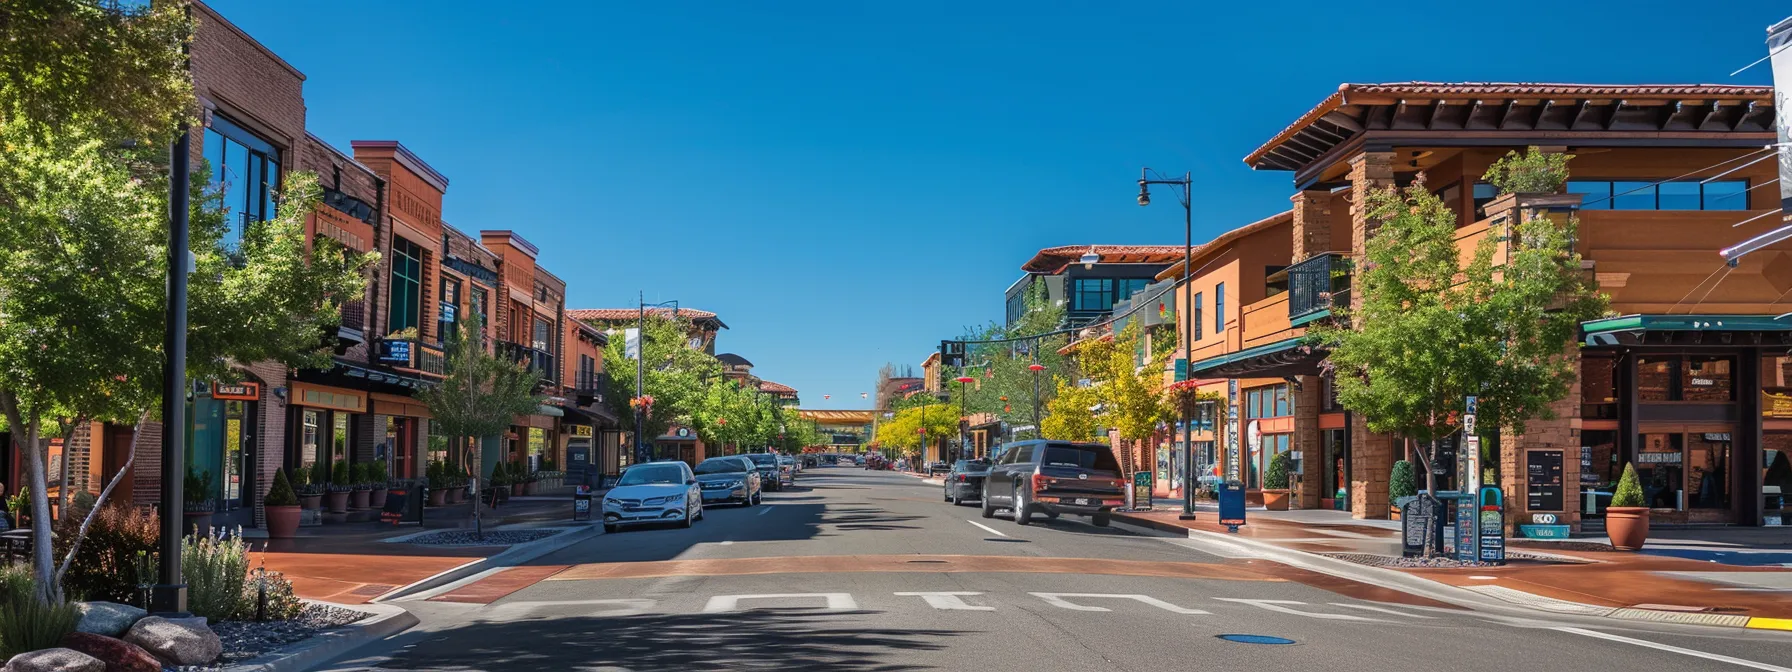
[{"x": 870, "y": 570}]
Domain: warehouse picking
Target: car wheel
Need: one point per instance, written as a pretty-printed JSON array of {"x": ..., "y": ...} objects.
[
  {"x": 1100, "y": 520},
  {"x": 1051, "y": 515},
  {"x": 686, "y": 523},
  {"x": 611, "y": 529},
  {"x": 989, "y": 508},
  {"x": 1023, "y": 511},
  {"x": 948, "y": 494}
]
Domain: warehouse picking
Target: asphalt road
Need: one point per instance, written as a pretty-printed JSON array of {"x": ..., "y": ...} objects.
[{"x": 857, "y": 570}]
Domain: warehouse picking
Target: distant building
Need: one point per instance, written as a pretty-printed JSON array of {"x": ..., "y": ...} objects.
[{"x": 1088, "y": 291}]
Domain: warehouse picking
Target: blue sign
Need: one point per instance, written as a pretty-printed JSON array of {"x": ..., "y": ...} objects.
[
  {"x": 1472, "y": 404},
  {"x": 1493, "y": 525},
  {"x": 1231, "y": 505},
  {"x": 1467, "y": 533},
  {"x": 398, "y": 352}
]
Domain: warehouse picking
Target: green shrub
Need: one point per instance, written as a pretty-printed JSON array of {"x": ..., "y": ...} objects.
[
  {"x": 108, "y": 567},
  {"x": 500, "y": 477},
  {"x": 283, "y": 605},
  {"x": 1629, "y": 492},
  {"x": 379, "y": 471},
  {"x": 1402, "y": 482},
  {"x": 301, "y": 478},
  {"x": 196, "y": 490},
  {"x": 280, "y": 493},
  {"x": 320, "y": 474},
  {"x": 1533, "y": 173},
  {"x": 340, "y": 477},
  {"x": 27, "y": 623},
  {"x": 216, "y": 568},
  {"x": 1277, "y": 476}
]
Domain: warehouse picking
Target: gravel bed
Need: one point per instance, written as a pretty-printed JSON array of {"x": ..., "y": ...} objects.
[
  {"x": 491, "y": 538},
  {"x": 1371, "y": 560},
  {"x": 244, "y": 640}
]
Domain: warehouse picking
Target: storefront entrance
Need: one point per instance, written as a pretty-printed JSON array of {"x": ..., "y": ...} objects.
[{"x": 220, "y": 448}]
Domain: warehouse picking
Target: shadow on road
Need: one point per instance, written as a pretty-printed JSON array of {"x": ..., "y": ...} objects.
[{"x": 790, "y": 639}]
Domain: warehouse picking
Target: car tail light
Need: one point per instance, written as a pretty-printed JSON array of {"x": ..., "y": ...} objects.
[
  {"x": 1040, "y": 481},
  {"x": 961, "y": 478}
]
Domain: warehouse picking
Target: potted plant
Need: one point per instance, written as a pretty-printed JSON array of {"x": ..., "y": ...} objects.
[
  {"x": 197, "y": 502},
  {"x": 1627, "y": 519},
  {"x": 437, "y": 475},
  {"x": 362, "y": 488},
  {"x": 1275, "y": 484},
  {"x": 282, "y": 506},
  {"x": 19, "y": 505},
  {"x": 336, "y": 491},
  {"x": 1402, "y": 483},
  {"x": 457, "y": 483},
  {"x": 378, "y": 480},
  {"x": 311, "y": 496},
  {"x": 519, "y": 478}
]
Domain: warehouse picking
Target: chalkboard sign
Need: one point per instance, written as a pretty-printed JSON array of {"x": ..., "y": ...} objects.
[
  {"x": 1415, "y": 524},
  {"x": 1543, "y": 480},
  {"x": 404, "y": 504}
]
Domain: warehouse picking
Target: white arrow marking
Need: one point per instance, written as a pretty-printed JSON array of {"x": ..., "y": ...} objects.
[
  {"x": 834, "y": 601},
  {"x": 1384, "y": 610},
  {"x": 948, "y": 600},
  {"x": 986, "y": 528},
  {"x": 1057, "y": 600},
  {"x": 1276, "y": 605},
  {"x": 601, "y": 608}
]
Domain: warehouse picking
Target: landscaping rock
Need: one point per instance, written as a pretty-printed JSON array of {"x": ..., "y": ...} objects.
[
  {"x": 55, "y": 660},
  {"x": 185, "y": 641},
  {"x": 108, "y": 618},
  {"x": 117, "y": 654}
]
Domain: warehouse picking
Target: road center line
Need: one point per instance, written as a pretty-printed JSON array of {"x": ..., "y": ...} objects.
[
  {"x": 1673, "y": 649},
  {"x": 986, "y": 528}
]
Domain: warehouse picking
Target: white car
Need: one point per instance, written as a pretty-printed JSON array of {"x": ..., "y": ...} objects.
[{"x": 655, "y": 492}]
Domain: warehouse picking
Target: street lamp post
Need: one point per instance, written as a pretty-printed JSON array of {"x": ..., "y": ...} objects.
[
  {"x": 1187, "y": 183},
  {"x": 964, "y": 422},
  {"x": 641, "y": 455},
  {"x": 169, "y": 595},
  {"x": 1036, "y": 367}
]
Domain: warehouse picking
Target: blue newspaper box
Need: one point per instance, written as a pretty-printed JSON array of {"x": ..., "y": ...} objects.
[{"x": 1231, "y": 504}]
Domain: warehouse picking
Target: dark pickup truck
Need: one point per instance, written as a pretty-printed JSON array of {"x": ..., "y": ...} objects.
[{"x": 1054, "y": 477}]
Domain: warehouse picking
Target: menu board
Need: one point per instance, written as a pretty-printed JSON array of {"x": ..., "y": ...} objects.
[{"x": 1543, "y": 480}]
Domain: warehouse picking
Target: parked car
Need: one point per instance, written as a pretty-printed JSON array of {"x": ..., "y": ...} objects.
[
  {"x": 730, "y": 479},
  {"x": 964, "y": 482},
  {"x": 1054, "y": 477},
  {"x": 938, "y": 467},
  {"x": 653, "y": 492},
  {"x": 792, "y": 464},
  {"x": 770, "y": 473}
]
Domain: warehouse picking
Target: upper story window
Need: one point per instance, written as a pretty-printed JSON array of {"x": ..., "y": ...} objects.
[
  {"x": 476, "y": 306},
  {"x": 449, "y": 318},
  {"x": 1195, "y": 317},
  {"x": 539, "y": 335},
  {"x": 1017, "y": 306},
  {"x": 407, "y": 286},
  {"x": 245, "y": 169},
  {"x": 1092, "y": 294},
  {"x": 1126, "y": 287},
  {"x": 1267, "y": 402},
  {"x": 1219, "y": 308},
  {"x": 1685, "y": 378},
  {"x": 1648, "y": 195}
]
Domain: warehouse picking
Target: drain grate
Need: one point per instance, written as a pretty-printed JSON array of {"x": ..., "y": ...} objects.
[
  {"x": 927, "y": 562},
  {"x": 1256, "y": 639}
]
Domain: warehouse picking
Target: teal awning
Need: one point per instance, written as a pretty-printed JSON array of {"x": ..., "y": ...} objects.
[
  {"x": 1284, "y": 357},
  {"x": 1634, "y": 328}
]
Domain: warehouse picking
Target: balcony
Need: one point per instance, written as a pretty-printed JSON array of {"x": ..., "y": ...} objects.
[
  {"x": 406, "y": 354},
  {"x": 591, "y": 387},
  {"x": 1316, "y": 286},
  {"x": 536, "y": 361}
]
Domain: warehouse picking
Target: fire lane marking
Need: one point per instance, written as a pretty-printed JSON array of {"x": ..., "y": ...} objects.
[
  {"x": 1057, "y": 600},
  {"x": 948, "y": 600},
  {"x": 834, "y": 601},
  {"x": 986, "y": 528}
]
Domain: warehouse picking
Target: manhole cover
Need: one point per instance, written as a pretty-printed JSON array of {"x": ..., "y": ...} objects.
[{"x": 1255, "y": 639}]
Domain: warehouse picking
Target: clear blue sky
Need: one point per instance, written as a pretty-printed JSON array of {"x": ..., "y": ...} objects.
[{"x": 846, "y": 183}]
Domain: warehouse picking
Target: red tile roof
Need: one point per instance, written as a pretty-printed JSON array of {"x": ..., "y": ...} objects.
[
  {"x": 1383, "y": 94},
  {"x": 1054, "y": 260},
  {"x": 617, "y": 314},
  {"x": 775, "y": 388}
]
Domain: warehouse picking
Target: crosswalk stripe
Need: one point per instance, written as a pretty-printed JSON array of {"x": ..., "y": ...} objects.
[
  {"x": 1279, "y": 606},
  {"x": 986, "y": 528},
  {"x": 948, "y": 600},
  {"x": 834, "y": 601},
  {"x": 1384, "y": 610}
]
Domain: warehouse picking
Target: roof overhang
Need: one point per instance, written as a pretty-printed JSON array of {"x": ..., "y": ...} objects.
[
  {"x": 1683, "y": 330},
  {"x": 1053, "y": 260},
  {"x": 1287, "y": 357}
]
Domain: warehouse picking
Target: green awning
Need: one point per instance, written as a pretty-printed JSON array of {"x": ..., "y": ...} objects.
[
  {"x": 1630, "y": 328},
  {"x": 1281, "y": 358}
]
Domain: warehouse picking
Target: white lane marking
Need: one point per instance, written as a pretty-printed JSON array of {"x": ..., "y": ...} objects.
[
  {"x": 834, "y": 601},
  {"x": 948, "y": 600},
  {"x": 1384, "y": 610},
  {"x": 765, "y": 510},
  {"x": 986, "y": 528},
  {"x": 1057, "y": 600},
  {"x": 726, "y": 543},
  {"x": 1672, "y": 649},
  {"x": 1277, "y": 606},
  {"x": 609, "y": 608}
]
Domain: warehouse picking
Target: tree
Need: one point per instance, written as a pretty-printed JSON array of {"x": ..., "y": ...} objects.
[
  {"x": 1002, "y": 369},
  {"x": 903, "y": 431},
  {"x": 675, "y": 375},
  {"x": 480, "y": 394},
  {"x": 118, "y": 71},
  {"x": 1130, "y": 391},
  {"x": 1070, "y": 415}
]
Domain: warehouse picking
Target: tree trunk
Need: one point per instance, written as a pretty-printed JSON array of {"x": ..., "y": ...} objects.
[
  {"x": 68, "y": 439},
  {"x": 41, "y": 553},
  {"x": 99, "y": 502}
]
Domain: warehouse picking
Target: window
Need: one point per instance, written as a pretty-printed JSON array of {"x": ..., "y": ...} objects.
[
  {"x": 1669, "y": 195},
  {"x": 1128, "y": 287},
  {"x": 1274, "y": 285},
  {"x": 407, "y": 285},
  {"x": 1685, "y": 378},
  {"x": 476, "y": 305},
  {"x": 1093, "y": 294},
  {"x": 1268, "y": 402},
  {"x": 245, "y": 170},
  {"x": 1197, "y": 317},
  {"x": 539, "y": 339},
  {"x": 1484, "y": 194},
  {"x": 448, "y": 319},
  {"x": 1219, "y": 308}
]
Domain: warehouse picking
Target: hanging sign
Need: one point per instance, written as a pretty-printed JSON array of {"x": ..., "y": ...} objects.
[
  {"x": 578, "y": 431},
  {"x": 244, "y": 391},
  {"x": 1777, "y": 406}
]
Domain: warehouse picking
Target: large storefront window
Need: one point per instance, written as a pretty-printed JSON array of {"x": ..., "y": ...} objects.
[
  {"x": 1600, "y": 469},
  {"x": 1599, "y": 388},
  {"x": 1660, "y": 467},
  {"x": 1685, "y": 378},
  {"x": 1708, "y": 471},
  {"x": 1776, "y": 478},
  {"x": 245, "y": 170}
]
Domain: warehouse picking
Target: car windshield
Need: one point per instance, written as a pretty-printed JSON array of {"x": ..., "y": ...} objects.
[
  {"x": 1084, "y": 457},
  {"x": 651, "y": 474},
  {"x": 763, "y": 459},
  {"x": 723, "y": 465},
  {"x": 971, "y": 465}
]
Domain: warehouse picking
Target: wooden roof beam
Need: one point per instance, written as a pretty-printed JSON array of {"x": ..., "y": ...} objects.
[
  {"x": 1717, "y": 108},
  {"x": 1506, "y": 113},
  {"x": 1580, "y": 110},
  {"x": 1437, "y": 108},
  {"x": 1341, "y": 120},
  {"x": 1611, "y": 117},
  {"x": 1542, "y": 109}
]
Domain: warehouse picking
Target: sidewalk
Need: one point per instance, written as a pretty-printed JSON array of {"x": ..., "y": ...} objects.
[
  {"x": 1674, "y": 572},
  {"x": 353, "y": 563}
]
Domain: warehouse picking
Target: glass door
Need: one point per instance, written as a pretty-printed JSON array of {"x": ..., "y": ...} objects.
[
  {"x": 1660, "y": 469},
  {"x": 238, "y": 447}
]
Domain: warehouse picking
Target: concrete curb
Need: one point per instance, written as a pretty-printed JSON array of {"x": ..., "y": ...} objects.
[
  {"x": 387, "y": 620},
  {"x": 515, "y": 555},
  {"x": 1476, "y": 597}
]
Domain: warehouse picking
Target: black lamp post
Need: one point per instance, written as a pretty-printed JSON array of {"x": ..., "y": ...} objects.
[
  {"x": 641, "y": 454},
  {"x": 169, "y": 595},
  {"x": 964, "y": 422},
  {"x": 1186, "y": 182}
]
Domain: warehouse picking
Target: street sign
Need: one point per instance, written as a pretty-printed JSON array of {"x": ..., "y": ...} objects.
[
  {"x": 1141, "y": 491},
  {"x": 1493, "y": 525},
  {"x": 1231, "y": 505},
  {"x": 1181, "y": 369}
]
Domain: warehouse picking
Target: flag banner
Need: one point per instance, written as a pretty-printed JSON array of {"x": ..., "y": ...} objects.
[
  {"x": 632, "y": 340},
  {"x": 1779, "y": 47}
]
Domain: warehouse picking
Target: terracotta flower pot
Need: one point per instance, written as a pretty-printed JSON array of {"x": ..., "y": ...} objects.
[
  {"x": 283, "y": 521},
  {"x": 358, "y": 499},
  {"x": 438, "y": 497},
  {"x": 1627, "y": 526},
  {"x": 457, "y": 494},
  {"x": 376, "y": 497},
  {"x": 312, "y": 502},
  {"x": 337, "y": 501},
  {"x": 1275, "y": 500}
]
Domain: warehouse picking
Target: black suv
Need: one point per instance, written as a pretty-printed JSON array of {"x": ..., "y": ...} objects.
[{"x": 1053, "y": 477}]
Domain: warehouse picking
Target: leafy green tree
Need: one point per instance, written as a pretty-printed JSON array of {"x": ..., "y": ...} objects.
[
  {"x": 1433, "y": 329},
  {"x": 479, "y": 396},
  {"x": 1136, "y": 405},
  {"x": 1069, "y": 415},
  {"x": 114, "y": 69},
  {"x": 1004, "y": 384},
  {"x": 902, "y": 432},
  {"x": 675, "y": 375}
]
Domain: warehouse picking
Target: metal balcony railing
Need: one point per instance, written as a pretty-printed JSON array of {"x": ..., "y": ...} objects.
[
  {"x": 537, "y": 361},
  {"x": 1317, "y": 284},
  {"x": 592, "y": 385},
  {"x": 422, "y": 357},
  {"x": 354, "y": 315}
]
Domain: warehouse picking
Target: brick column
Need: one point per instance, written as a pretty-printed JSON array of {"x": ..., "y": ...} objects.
[
  {"x": 146, "y": 471},
  {"x": 1308, "y": 488},
  {"x": 1312, "y": 223},
  {"x": 270, "y": 443},
  {"x": 1371, "y": 455}
]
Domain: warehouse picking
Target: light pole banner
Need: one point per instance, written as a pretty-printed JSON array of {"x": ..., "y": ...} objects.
[
  {"x": 632, "y": 343},
  {"x": 1779, "y": 46}
]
